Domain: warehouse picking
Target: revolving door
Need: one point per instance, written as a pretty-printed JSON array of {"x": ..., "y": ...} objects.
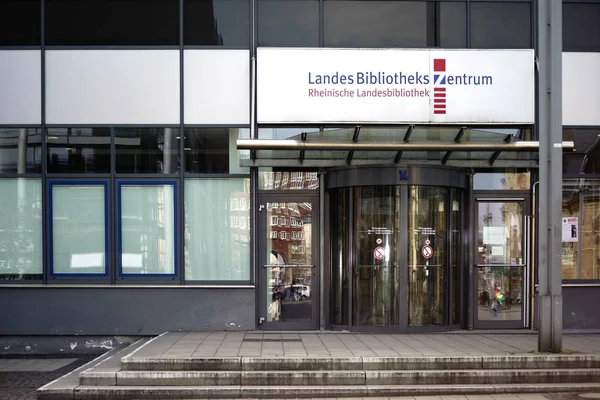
[{"x": 396, "y": 248}]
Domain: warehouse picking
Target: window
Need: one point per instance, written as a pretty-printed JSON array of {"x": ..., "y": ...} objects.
[
  {"x": 147, "y": 150},
  {"x": 451, "y": 29},
  {"x": 585, "y": 159},
  {"x": 20, "y": 150},
  {"x": 147, "y": 228},
  {"x": 507, "y": 180},
  {"x": 581, "y": 30},
  {"x": 21, "y": 229},
  {"x": 212, "y": 251},
  {"x": 217, "y": 23},
  {"x": 110, "y": 23},
  {"x": 78, "y": 150},
  {"x": 288, "y": 23},
  {"x": 20, "y": 23},
  {"x": 581, "y": 229},
  {"x": 269, "y": 180},
  {"x": 499, "y": 25},
  {"x": 213, "y": 150},
  {"x": 78, "y": 226},
  {"x": 375, "y": 23}
]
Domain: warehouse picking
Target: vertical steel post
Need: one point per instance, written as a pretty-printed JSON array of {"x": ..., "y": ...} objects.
[{"x": 550, "y": 136}]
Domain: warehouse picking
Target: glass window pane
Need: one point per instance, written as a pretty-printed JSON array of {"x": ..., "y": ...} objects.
[
  {"x": 427, "y": 269},
  {"x": 288, "y": 180},
  {"x": 20, "y": 150},
  {"x": 375, "y": 280},
  {"x": 585, "y": 158},
  {"x": 571, "y": 207},
  {"x": 452, "y": 25},
  {"x": 500, "y": 293},
  {"x": 288, "y": 23},
  {"x": 501, "y": 25},
  {"x": 78, "y": 229},
  {"x": 375, "y": 23},
  {"x": 212, "y": 150},
  {"x": 78, "y": 150},
  {"x": 217, "y": 229},
  {"x": 148, "y": 226},
  {"x": 581, "y": 29},
  {"x": 216, "y": 22},
  {"x": 456, "y": 255},
  {"x": 581, "y": 229},
  {"x": 147, "y": 150},
  {"x": 502, "y": 181},
  {"x": 500, "y": 233},
  {"x": 21, "y": 229},
  {"x": 109, "y": 22},
  {"x": 589, "y": 233},
  {"x": 20, "y": 23}
]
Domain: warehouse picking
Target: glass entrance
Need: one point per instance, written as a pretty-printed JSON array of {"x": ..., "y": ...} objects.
[
  {"x": 288, "y": 270},
  {"x": 502, "y": 263},
  {"x": 396, "y": 259}
]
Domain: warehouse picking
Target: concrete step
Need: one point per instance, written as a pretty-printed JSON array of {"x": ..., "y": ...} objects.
[
  {"x": 279, "y": 392},
  {"x": 337, "y": 378},
  {"x": 562, "y": 361}
]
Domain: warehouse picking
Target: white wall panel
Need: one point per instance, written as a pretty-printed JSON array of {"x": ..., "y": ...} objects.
[
  {"x": 112, "y": 87},
  {"x": 216, "y": 87},
  {"x": 581, "y": 89},
  {"x": 20, "y": 87}
]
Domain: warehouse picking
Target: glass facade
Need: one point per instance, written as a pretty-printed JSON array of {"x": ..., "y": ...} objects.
[
  {"x": 581, "y": 206},
  {"x": 168, "y": 203},
  {"x": 20, "y": 150},
  {"x": 217, "y": 229},
  {"x": 147, "y": 229},
  {"x": 79, "y": 229},
  {"x": 391, "y": 264},
  {"x": 21, "y": 250}
]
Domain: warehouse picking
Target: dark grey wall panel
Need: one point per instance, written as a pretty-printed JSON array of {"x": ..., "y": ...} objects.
[
  {"x": 123, "y": 311},
  {"x": 580, "y": 308}
]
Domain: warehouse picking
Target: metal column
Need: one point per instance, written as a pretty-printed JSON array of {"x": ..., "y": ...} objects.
[{"x": 550, "y": 169}]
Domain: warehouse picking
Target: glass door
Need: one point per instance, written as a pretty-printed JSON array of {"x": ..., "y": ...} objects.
[
  {"x": 502, "y": 270},
  {"x": 288, "y": 269}
]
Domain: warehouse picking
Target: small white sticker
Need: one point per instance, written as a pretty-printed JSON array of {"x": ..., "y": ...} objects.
[{"x": 557, "y": 144}]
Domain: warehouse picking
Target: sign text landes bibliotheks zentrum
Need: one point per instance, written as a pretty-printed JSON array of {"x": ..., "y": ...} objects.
[{"x": 389, "y": 84}]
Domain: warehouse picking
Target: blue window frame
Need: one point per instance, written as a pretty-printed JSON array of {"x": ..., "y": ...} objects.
[
  {"x": 78, "y": 228},
  {"x": 147, "y": 228}
]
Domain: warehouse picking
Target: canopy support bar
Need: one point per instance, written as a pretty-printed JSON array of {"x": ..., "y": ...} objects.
[
  {"x": 406, "y": 139},
  {"x": 354, "y": 140},
  {"x": 288, "y": 144}
]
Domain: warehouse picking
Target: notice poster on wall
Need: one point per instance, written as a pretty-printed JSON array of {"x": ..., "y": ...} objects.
[{"x": 570, "y": 229}]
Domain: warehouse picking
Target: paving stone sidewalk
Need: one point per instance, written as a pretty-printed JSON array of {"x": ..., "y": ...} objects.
[
  {"x": 259, "y": 344},
  {"x": 21, "y": 375}
]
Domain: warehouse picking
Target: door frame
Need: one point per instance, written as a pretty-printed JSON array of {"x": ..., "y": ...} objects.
[
  {"x": 295, "y": 196},
  {"x": 523, "y": 197}
]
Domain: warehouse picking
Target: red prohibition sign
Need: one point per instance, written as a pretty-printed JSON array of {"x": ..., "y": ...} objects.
[
  {"x": 427, "y": 251},
  {"x": 379, "y": 253}
]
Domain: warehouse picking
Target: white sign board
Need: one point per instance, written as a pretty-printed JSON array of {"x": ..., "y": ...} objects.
[
  {"x": 382, "y": 86},
  {"x": 570, "y": 229}
]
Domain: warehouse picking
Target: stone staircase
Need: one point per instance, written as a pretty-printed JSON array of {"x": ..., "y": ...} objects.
[{"x": 125, "y": 374}]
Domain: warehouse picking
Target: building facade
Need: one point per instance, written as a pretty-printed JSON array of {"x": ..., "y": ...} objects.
[{"x": 288, "y": 164}]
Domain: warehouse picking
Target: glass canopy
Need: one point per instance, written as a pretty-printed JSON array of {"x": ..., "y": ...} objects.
[{"x": 474, "y": 147}]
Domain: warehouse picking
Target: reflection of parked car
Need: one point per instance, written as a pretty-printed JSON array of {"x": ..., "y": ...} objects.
[
  {"x": 296, "y": 292},
  {"x": 303, "y": 291}
]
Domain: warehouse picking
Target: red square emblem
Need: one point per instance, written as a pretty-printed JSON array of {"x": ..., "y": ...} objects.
[{"x": 439, "y": 64}]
